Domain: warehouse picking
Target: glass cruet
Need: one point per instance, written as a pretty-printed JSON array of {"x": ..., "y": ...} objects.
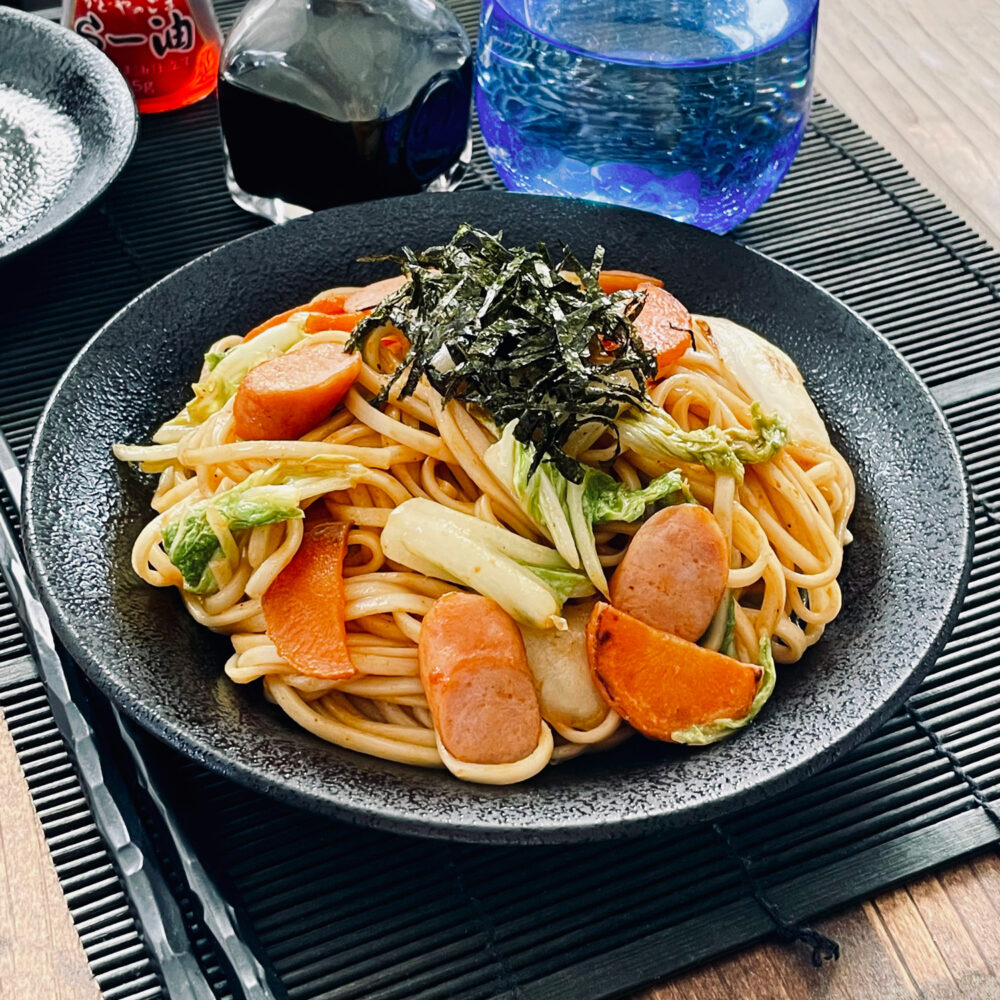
[{"x": 325, "y": 102}]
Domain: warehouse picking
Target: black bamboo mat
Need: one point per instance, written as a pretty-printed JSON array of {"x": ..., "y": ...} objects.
[{"x": 357, "y": 915}]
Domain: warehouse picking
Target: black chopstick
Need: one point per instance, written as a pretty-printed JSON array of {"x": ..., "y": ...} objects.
[
  {"x": 117, "y": 818},
  {"x": 250, "y": 977}
]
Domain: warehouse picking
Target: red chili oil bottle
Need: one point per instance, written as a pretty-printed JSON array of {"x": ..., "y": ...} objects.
[{"x": 167, "y": 50}]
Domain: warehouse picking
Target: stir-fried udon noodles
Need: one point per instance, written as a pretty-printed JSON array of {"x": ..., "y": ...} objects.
[{"x": 499, "y": 512}]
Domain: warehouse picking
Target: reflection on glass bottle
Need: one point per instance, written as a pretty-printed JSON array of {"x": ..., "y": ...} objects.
[{"x": 325, "y": 102}]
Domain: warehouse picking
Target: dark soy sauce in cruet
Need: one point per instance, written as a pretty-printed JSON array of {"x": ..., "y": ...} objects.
[{"x": 339, "y": 101}]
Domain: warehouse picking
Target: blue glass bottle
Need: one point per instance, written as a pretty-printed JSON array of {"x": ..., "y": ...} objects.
[{"x": 692, "y": 109}]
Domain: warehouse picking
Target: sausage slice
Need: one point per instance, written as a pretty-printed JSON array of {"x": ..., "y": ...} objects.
[
  {"x": 283, "y": 398},
  {"x": 674, "y": 572},
  {"x": 475, "y": 674},
  {"x": 371, "y": 295}
]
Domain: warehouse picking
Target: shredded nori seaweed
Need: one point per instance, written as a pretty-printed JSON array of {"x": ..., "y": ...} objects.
[{"x": 523, "y": 341}]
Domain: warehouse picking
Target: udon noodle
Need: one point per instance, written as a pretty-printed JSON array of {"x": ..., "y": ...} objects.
[{"x": 785, "y": 523}]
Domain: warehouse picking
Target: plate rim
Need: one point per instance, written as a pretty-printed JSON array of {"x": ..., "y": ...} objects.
[
  {"x": 106, "y": 77},
  {"x": 477, "y": 831}
]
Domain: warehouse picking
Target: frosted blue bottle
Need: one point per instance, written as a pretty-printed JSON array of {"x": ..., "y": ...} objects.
[{"x": 692, "y": 110}]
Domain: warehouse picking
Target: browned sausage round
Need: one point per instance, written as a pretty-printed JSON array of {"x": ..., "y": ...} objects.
[
  {"x": 674, "y": 572},
  {"x": 475, "y": 675},
  {"x": 371, "y": 295}
]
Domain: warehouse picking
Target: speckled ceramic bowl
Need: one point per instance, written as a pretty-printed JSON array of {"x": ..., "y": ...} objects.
[
  {"x": 67, "y": 127},
  {"x": 902, "y": 577}
]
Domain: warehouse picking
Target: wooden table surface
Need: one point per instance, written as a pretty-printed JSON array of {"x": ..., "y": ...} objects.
[{"x": 923, "y": 77}]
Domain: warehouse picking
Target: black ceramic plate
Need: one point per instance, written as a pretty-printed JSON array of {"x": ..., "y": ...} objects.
[
  {"x": 902, "y": 577},
  {"x": 67, "y": 126}
]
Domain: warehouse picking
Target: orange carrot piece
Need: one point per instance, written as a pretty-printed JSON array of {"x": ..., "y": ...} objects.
[
  {"x": 317, "y": 322},
  {"x": 281, "y": 399},
  {"x": 331, "y": 304},
  {"x": 663, "y": 326},
  {"x": 395, "y": 341},
  {"x": 304, "y": 606},
  {"x": 273, "y": 321},
  {"x": 328, "y": 306},
  {"x": 616, "y": 281},
  {"x": 330, "y": 301},
  {"x": 659, "y": 683}
]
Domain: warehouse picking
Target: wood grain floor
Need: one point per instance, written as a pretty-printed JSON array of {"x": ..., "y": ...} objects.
[
  {"x": 41, "y": 957},
  {"x": 937, "y": 938},
  {"x": 923, "y": 77}
]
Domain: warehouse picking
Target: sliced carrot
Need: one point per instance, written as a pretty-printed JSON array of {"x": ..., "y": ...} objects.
[
  {"x": 273, "y": 321},
  {"x": 304, "y": 606},
  {"x": 616, "y": 281},
  {"x": 317, "y": 322},
  {"x": 283, "y": 398},
  {"x": 659, "y": 683},
  {"x": 330, "y": 306},
  {"x": 395, "y": 341},
  {"x": 330, "y": 301},
  {"x": 664, "y": 326}
]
